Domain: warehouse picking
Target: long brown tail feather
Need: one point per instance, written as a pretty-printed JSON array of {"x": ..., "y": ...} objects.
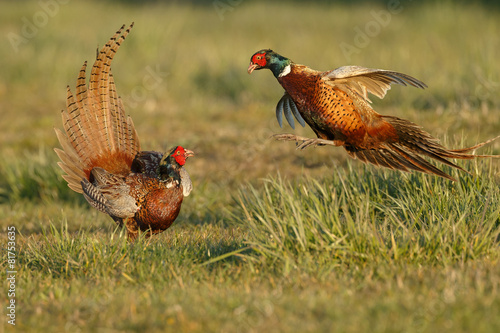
[
  {"x": 479, "y": 145},
  {"x": 422, "y": 165},
  {"x": 406, "y": 153},
  {"x": 97, "y": 133}
]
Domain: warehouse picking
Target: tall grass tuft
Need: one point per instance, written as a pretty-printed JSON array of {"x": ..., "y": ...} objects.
[{"x": 372, "y": 215}]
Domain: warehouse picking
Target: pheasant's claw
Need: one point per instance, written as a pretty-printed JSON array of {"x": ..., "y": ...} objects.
[
  {"x": 308, "y": 143},
  {"x": 316, "y": 142}
]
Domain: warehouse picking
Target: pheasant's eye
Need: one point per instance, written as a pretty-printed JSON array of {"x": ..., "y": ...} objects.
[{"x": 259, "y": 57}]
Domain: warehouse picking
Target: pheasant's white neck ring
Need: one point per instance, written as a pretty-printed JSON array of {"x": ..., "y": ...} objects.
[{"x": 285, "y": 71}]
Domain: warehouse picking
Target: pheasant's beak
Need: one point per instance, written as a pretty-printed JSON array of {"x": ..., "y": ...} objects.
[
  {"x": 252, "y": 67},
  {"x": 188, "y": 153}
]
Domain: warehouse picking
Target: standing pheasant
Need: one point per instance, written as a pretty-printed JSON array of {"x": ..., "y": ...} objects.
[
  {"x": 102, "y": 158},
  {"x": 336, "y": 106}
]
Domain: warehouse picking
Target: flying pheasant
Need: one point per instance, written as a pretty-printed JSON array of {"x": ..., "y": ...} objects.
[
  {"x": 102, "y": 158},
  {"x": 336, "y": 106}
]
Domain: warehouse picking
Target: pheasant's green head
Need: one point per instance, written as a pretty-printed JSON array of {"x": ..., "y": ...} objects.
[
  {"x": 173, "y": 160},
  {"x": 279, "y": 65}
]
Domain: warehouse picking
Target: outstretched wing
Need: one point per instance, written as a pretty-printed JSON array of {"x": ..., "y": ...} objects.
[
  {"x": 364, "y": 80},
  {"x": 287, "y": 106}
]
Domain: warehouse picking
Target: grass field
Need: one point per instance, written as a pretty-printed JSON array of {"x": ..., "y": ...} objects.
[{"x": 271, "y": 239}]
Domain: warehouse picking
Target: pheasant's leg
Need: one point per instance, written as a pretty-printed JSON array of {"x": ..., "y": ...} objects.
[
  {"x": 306, "y": 142},
  {"x": 288, "y": 137},
  {"x": 132, "y": 229},
  {"x": 318, "y": 142},
  {"x": 131, "y": 236}
]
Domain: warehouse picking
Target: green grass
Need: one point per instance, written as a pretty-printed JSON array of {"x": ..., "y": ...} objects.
[
  {"x": 271, "y": 239},
  {"x": 357, "y": 218}
]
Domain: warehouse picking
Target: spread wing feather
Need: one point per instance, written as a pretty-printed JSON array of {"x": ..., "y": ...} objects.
[
  {"x": 287, "y": 106},
  {"x": 109, "y": 194},
  {"x": 279, "y": 112},
  {"x": 296, "y": 112},
  {"x": 364, "y": 80},
  {"x": 288, "y": 113}
]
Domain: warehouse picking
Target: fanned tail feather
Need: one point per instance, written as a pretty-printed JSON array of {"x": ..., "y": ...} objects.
[
  {"x": 413, "y": 143},
  {"x": 97, "y": 133}
]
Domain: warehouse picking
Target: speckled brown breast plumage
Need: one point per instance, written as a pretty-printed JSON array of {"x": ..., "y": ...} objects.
[
  {"x": 102, "y": 158},
  {"x": 158, "y": 204}
]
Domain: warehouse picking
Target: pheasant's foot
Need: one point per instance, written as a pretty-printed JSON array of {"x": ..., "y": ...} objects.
[
  {"x": 305, "y": 142},
  {"x": 316, "y": 142}
]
